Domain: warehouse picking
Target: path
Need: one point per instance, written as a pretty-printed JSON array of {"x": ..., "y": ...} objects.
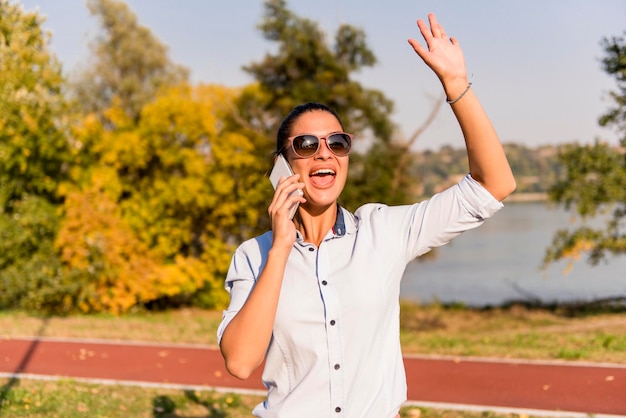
[{"x": 573, "y": 387}]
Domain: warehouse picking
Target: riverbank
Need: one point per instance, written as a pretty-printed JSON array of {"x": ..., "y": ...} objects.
[{"x": 526, "y": 197}]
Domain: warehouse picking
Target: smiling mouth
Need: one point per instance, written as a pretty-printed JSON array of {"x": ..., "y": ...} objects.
[{"x": 322, "y": 173}]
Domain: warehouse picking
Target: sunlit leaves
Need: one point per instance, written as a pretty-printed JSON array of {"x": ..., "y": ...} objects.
[
  {"x": 32, "y": 146},
  {"x": 614, "y": 63},
  {"x": 34, "y": 158},
  {"x": 595, "y": 178},
  {"x": 128, "y": 63},
  {"x": 137, "y": 194},
  {"x": 176, "y": 193},
  {"x": 595, "y": 175}
]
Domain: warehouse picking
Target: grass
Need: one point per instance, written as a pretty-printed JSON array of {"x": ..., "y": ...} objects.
[
  {"x": 517, "y": 331},
  {"x": 192, "y": 326},
  {"x": 70, "y": 399}
]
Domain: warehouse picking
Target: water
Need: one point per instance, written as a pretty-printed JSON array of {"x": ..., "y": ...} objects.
[{"x": 501, "y": 262}]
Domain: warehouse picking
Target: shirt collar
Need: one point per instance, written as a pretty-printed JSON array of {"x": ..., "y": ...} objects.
[
  {"x": 339, "y": 229},
  {"x": 345, "y": 223}
]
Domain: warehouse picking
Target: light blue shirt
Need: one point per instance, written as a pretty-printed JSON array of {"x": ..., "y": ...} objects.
[{"x": 335, "y": 347}]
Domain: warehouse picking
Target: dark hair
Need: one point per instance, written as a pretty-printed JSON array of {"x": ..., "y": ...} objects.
[{"x": 284, "y": 131}]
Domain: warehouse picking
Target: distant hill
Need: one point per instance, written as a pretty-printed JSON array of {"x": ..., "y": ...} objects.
[{"x": 535, "y": 169}]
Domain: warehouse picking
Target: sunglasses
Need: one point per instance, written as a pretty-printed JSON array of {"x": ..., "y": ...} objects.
[{"x": 307, "y": 145}]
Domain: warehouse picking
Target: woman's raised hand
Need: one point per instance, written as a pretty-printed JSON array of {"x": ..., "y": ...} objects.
[{"x": 442, "y": 54}]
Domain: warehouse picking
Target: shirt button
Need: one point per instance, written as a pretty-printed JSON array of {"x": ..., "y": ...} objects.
[
  {"x": 337, "y": 367},
  {"x": 332, "y": 322},
  {"x": 324, "y": 282},
  {"x": 311, "y": 249},
  {"x": 337, "y": 409}
]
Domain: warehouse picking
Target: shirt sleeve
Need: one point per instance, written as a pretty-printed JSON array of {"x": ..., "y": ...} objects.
[
  {"x": 448, "y": 214},
  {"x": 434, "y": 222},
  {"x": 245, "y": 266}
]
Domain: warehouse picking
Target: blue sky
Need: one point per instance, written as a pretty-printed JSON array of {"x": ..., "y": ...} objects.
[{"x": 534, "y": 63}]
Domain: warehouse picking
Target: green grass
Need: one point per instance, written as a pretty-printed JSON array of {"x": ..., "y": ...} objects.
[
  {"x": 553, "y": 333},
  {"x": 68, "y": 399},
  {"x": 515, "y": 332},
  {"x": 71, "y": 399}
]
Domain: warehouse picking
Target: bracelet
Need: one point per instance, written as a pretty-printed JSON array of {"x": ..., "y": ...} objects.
[{"x": 462, "y": 94}]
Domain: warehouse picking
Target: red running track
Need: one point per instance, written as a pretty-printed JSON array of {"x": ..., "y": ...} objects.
[{"x": 572, "y": 387}]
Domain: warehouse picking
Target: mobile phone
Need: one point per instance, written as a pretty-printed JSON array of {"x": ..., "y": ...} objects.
[{"x": 283, "y": 169}]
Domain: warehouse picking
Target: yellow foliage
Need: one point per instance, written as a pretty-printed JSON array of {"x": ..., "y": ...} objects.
[
  {"x": 117, "y": 270},
  {"x": 116, "y": 267},
  {"x": 159, "y": 211},
  {"x": 575, "y": 252},
  {"x": 580, "y": 247},
  {"x": 117, "y": 115}
]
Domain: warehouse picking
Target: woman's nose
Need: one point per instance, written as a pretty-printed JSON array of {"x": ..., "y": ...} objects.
[{"x": 323, "y": 152}]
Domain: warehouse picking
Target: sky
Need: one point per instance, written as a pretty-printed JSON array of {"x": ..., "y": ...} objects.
[{"x": 534, "y": 64}]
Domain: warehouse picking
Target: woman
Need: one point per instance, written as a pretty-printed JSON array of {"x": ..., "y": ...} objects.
[{"x": 318, "y": 297}]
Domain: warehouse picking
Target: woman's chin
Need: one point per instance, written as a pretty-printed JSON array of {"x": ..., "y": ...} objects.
[{"x": 320, "y": 201}]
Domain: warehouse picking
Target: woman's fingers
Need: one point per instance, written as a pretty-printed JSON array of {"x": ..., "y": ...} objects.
[
  {"x": 283, "y": 198},
  {"x": 444, "y": 56},
  {"x": 283, "y": 229},
  {"x": 435, "y": 27}
]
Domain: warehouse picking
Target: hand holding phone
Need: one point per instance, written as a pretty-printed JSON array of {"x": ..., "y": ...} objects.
[{"x": 283, "y": 169}]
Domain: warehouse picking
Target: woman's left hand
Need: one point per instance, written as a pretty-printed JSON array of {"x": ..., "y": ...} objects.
[{"x": 443, "y": 55}]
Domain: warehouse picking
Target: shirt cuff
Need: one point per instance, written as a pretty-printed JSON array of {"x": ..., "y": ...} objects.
[{"x": 478, "y": 198}]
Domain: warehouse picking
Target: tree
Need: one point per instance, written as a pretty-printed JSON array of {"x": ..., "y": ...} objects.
[
  {"x": 167, "y": 177},
  {"x": 155, "y": 217},
  {"x": 33, "y": 148},
  {"x": 148, "y": 212},
  {"x": 130, "y": 65},
  {"x": 34, "y": 159},
  {"x": 305, "y": 68},
  {"x": 594, "y": 180}
]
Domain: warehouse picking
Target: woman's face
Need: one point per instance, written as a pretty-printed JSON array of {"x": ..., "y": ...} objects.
[{"x": 324, "y": 175}]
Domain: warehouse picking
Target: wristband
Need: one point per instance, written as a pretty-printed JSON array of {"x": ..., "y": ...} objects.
[{"x": 462, "y": 94}]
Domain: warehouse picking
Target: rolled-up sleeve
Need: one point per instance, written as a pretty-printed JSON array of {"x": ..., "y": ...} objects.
[
  {"x": 418, "y": 228},
  {"x": 477, "y": 199},
  {"x": 446, "y": 215},
  {"x": 245, "y": 266}
]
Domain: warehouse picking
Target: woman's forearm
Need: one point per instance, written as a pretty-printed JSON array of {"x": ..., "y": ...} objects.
[
  {"x": 247, "y": 336},
  {"x": 487, "y": 161}
]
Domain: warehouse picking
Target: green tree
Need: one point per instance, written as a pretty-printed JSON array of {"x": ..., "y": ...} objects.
[
  {"x": 373, "y": 176},
  {"x": 595, "y": 177},
  {"x": 129, "y": 64},
  {"x": 306, "y": 68},
  {"x": 33, "y": 148},
  {"x": 34, "y": 158}
]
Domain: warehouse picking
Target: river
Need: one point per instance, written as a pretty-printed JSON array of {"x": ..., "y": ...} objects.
[{"x": 500, "y": 262}]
